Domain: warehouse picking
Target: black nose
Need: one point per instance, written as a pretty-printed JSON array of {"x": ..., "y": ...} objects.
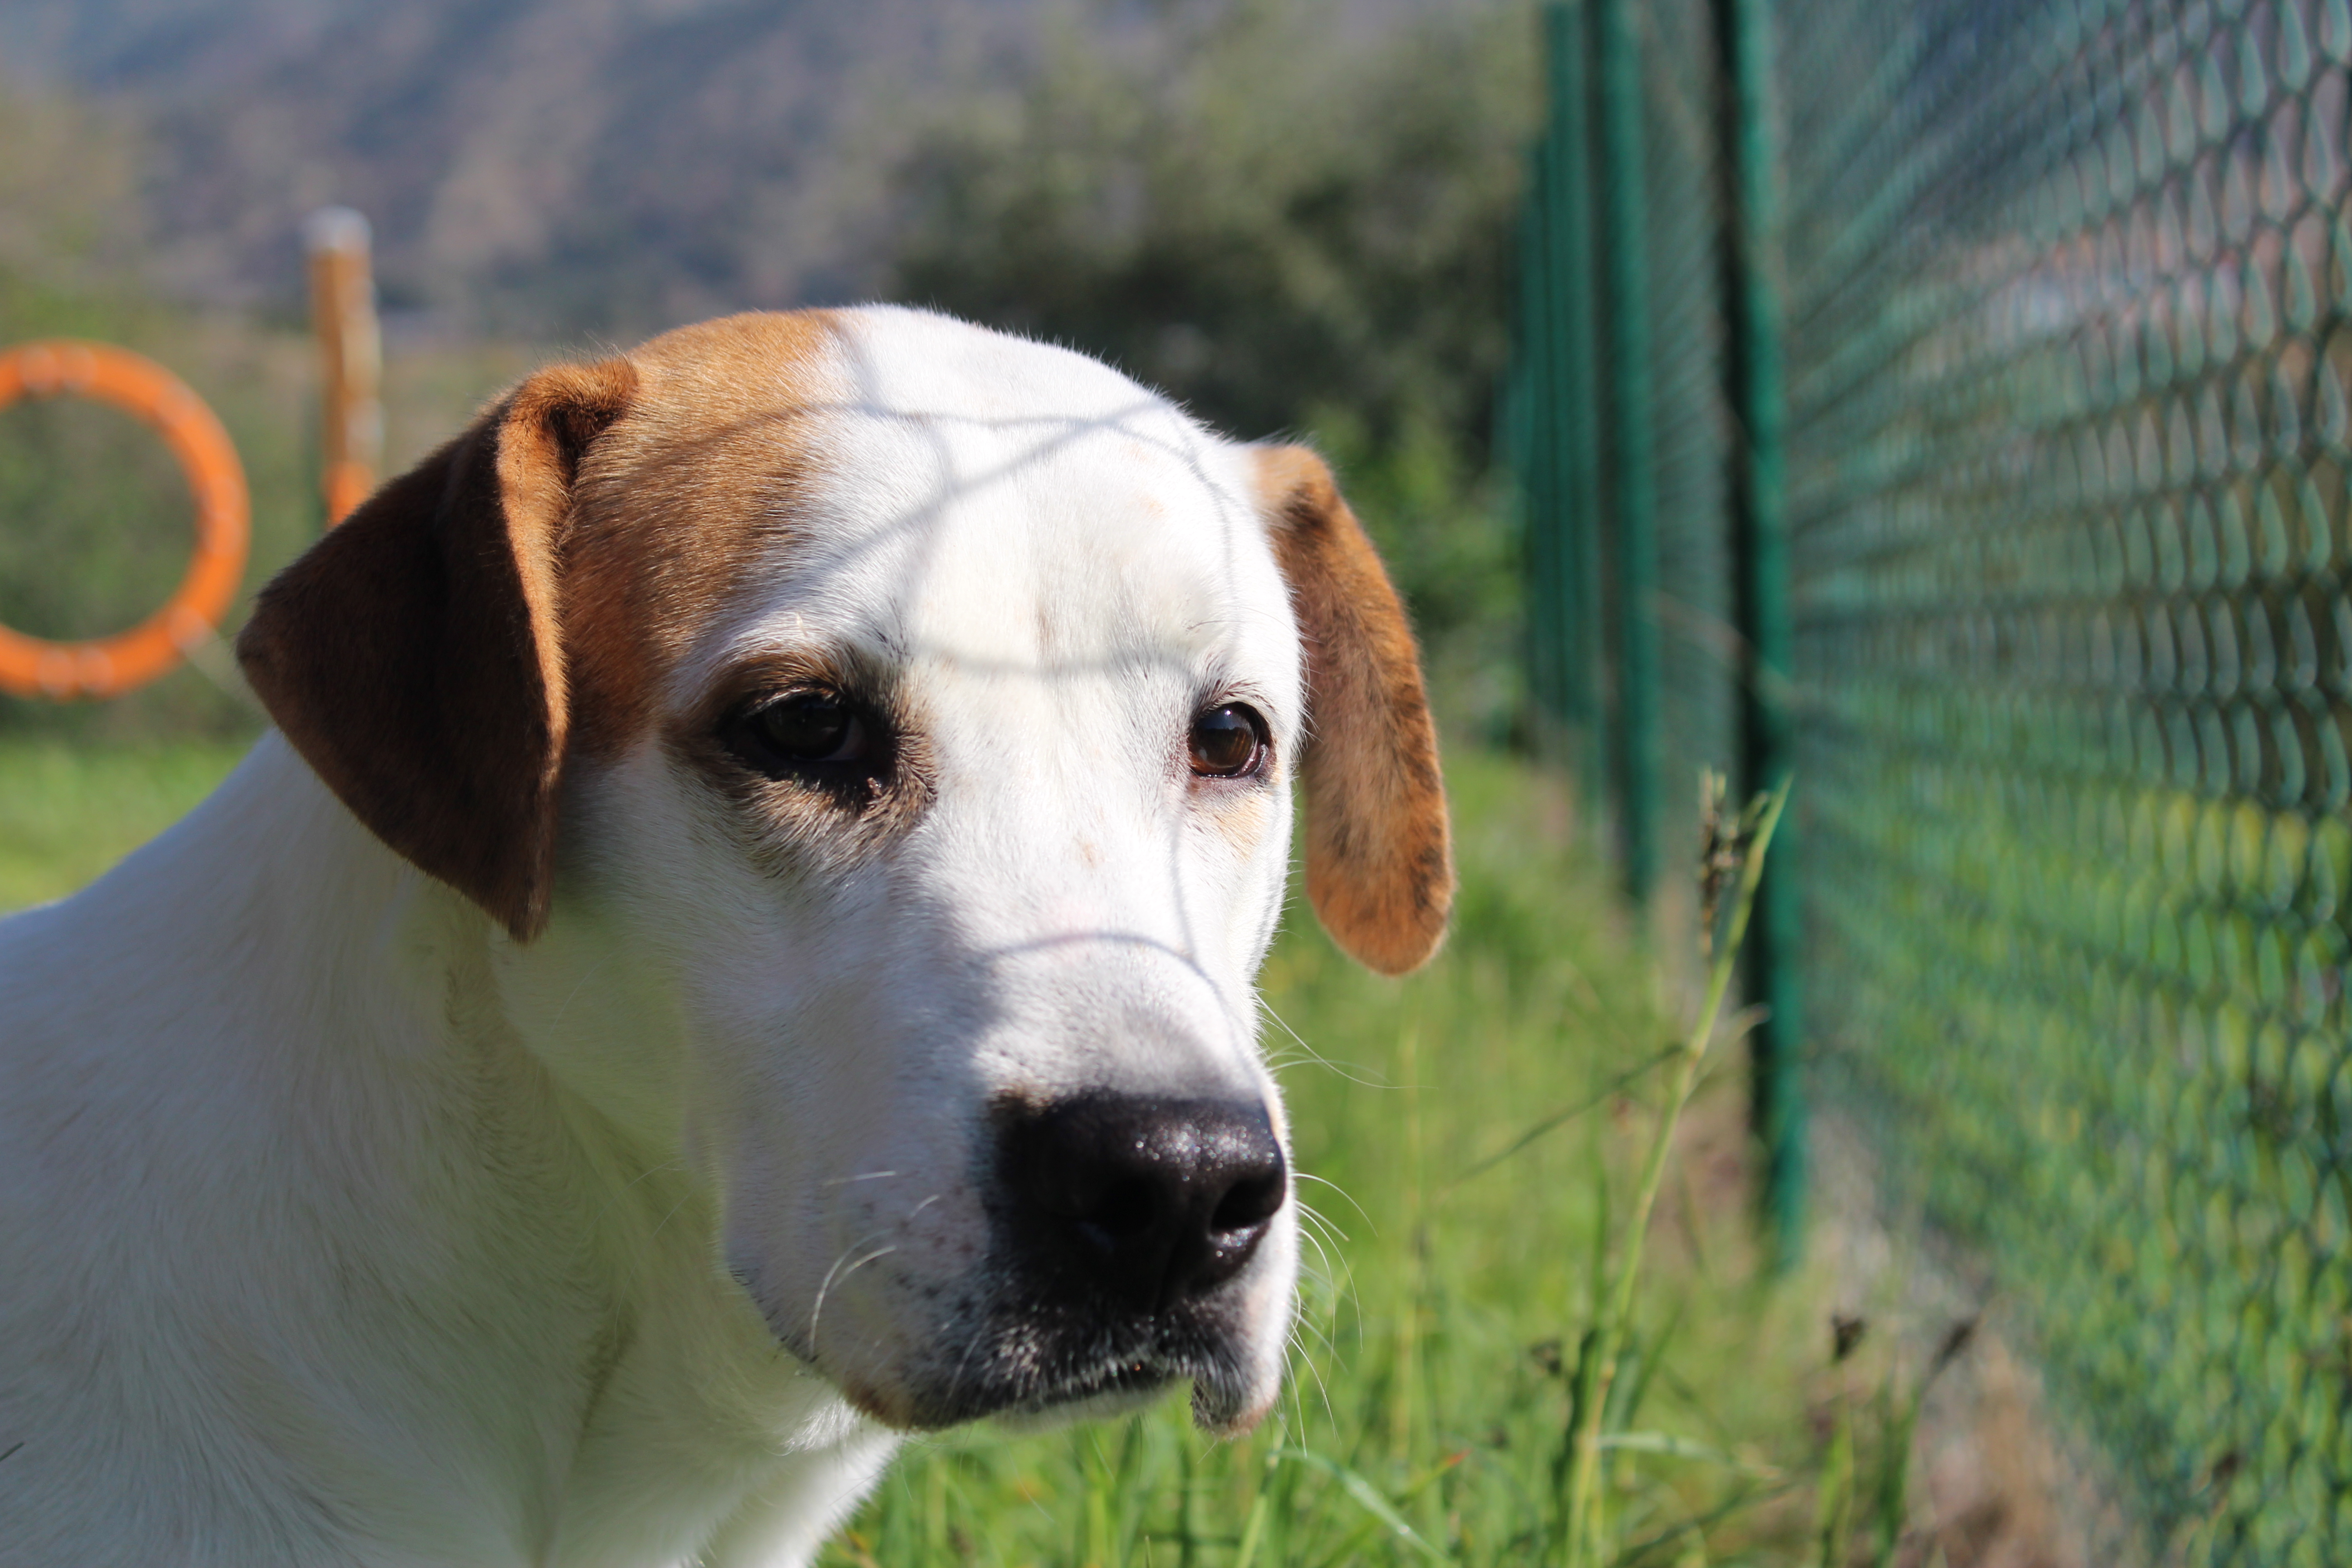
[{"x": 1145, "y": 1200}]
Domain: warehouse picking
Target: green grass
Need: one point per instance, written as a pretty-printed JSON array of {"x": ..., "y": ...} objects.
[
  {"x": 1426, "y": 1414},
  {"x": 67, "y": 812}
]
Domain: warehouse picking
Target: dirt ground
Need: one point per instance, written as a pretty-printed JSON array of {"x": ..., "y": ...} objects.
[{"x": 1998, "y": 1481}]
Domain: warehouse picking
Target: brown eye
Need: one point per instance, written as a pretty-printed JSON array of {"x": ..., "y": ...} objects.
[
  {"x": 1228, "y": 742},
  {"x": 814, "y": 730}
]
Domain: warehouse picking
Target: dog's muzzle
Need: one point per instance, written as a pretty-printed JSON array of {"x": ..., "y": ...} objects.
[{"x": 1121, "y": 1229}]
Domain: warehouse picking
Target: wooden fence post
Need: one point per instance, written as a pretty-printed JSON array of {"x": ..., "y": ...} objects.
[{"x": 351, "y": 349}]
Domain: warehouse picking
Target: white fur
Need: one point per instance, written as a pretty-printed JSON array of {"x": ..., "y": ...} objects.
[{"x": 337, "y": 1227}]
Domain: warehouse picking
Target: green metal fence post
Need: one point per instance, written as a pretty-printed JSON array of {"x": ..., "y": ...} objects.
[
  {"x": 1568, "y": 33},
  {"x": 1633, "y": 483},
  {"x": 1533, "y": 440},
  {"x": 1752, "y": 309},
  {"x": 1554, "y": 416}
]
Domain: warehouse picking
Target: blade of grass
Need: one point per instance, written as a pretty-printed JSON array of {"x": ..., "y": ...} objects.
[
  {"x": 1246, "y": 1552},
  {"x": 1584, "y": 1463},
  {"x": 1254, "y": 1526},
  {"x": 1891, "y": 1496},
  {"x": 1128, "y": 1486},
  {"x": 1366, "y": 1497},
  {"x": 935, "y": 1513},
  {"x": 1751, "y": 1497},
  {"x": 1559, "y": 1118},
  {"x": 1188, "y": 1510},
  {"x": 1672, "y": 1447},
  {"x": 1833, "y": 1503}
]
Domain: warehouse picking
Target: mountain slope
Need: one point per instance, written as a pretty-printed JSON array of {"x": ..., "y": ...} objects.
[{"x": 540, "y": 163}]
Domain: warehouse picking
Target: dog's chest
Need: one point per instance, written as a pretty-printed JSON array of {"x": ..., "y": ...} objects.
[{"x": 698, "y": 1426}]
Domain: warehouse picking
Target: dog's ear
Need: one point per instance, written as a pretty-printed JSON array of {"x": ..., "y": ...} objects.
[
  {"x": 1380, "y": 858},
  {"x": 414, "y": 657}
]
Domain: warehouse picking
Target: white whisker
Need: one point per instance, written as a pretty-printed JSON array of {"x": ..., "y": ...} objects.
[
  {"x": 1310, "y": 1054},
  {"x": 1310, "y": 1176},
  {"x": 861, "y": 1176},
  {"x": 817, "y": 1311}
]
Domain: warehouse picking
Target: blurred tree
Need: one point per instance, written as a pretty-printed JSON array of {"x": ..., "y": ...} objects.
[{"x": 1292, "y": 225}]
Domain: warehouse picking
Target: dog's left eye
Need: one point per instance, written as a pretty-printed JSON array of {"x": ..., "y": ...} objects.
[
  {"x": 809, "y": 730},
  {"x": 1228, "y": 742}
]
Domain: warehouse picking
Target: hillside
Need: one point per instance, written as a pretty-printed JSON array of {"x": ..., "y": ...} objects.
[
  {"x": 531, "y": 163},
  {"x": 538, "y": 165}
]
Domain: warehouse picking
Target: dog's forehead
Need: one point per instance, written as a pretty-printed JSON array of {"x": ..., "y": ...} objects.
[
  {"x": 959, "y": 498},
  {"x": 1039, "y": 509}
]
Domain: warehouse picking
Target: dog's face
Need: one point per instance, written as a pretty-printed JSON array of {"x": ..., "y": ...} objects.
[{"x": 877, "y": 736}]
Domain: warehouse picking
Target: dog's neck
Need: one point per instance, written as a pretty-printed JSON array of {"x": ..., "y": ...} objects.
[{"x": 537, "y": 1320}]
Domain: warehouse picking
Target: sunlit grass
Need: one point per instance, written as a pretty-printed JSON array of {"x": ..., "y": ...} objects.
[{"x": 67, "y": 812}]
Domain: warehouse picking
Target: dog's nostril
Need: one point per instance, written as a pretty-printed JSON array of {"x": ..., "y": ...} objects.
[
  {"x": 1251, "y": 1202},
  {"x": 1145, "y": 1200}
]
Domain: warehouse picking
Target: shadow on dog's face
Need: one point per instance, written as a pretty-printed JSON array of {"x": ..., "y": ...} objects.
[{"x": 922, "y": 709}]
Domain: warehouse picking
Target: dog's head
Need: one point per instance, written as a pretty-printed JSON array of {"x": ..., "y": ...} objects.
[{"x": 875, "y": 738}]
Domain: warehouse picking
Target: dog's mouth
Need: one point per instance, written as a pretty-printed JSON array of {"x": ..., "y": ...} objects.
[
  {"x": 1026, "y": 1371},
  {"x": 1103, "y": 1391},
  {"x": 1003, "y": 1349}
]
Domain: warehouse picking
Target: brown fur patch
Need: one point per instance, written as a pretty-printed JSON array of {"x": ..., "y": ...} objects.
[
  {"x": 1380, "y": 858},
  {"x": 1243, "y": 819},
  {"x": 683, "y": 501},
  {"x": 520, "y": 595},
  {"x": 412, "y": 654}
]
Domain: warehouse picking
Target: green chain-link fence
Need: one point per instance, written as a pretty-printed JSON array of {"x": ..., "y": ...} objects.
[{"x": 1985, "y": 461}]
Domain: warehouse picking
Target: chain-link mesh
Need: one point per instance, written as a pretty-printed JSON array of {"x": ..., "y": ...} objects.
[
  {"x": 2067, "y": 294},
  {"x": 1572, "y": 403}
]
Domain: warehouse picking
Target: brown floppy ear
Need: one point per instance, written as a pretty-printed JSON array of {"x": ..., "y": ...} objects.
[
  {"x": 1380, "y": 856},
  {"x": 413, "y": 657}
]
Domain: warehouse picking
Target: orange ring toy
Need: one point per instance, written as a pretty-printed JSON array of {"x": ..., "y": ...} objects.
[{"x": 108, "y": 667}]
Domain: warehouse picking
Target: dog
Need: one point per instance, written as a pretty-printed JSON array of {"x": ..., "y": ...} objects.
[{"x": 739, "y": 946}]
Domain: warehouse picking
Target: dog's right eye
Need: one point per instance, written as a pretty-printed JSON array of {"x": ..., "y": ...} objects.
[
  {"x": 811, "y": 730},
  {"x": 1228, "y": 742}
]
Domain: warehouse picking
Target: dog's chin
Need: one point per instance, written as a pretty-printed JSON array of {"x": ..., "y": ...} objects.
[
  {"x": 1019, "y": 1390},
  {"x": 1220, "y": 1405},
  {"x": 1230, "y": 1407},
  {"x": 1223, "y": 1403},
  {"x": 1121, "y": 1395}
]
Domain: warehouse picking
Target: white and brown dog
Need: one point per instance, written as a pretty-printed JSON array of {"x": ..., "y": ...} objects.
[{"x": 741, "y": 945}]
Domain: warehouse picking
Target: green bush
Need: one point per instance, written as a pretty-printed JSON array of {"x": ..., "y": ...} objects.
[{"x": 1294, "y": 232}]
